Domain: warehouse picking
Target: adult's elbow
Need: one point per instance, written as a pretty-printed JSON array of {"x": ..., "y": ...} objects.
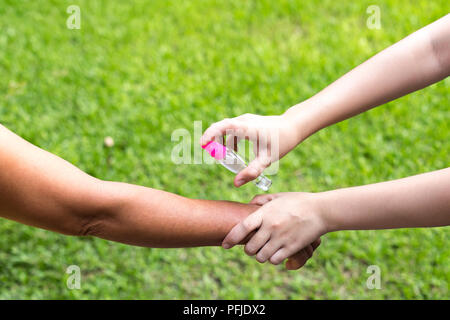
[{"x": 90, "y": 210}]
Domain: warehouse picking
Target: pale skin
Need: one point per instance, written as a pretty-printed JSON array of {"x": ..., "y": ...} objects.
[
  {"x": 288, "y": 221},
  {"x": 42, "y": 190}
]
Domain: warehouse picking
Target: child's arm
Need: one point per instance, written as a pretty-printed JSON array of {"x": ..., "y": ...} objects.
[
  {"x": 411, "y": 64},
  {"x": 418, "y": 201},
  {"x": 293, "y": 220}
]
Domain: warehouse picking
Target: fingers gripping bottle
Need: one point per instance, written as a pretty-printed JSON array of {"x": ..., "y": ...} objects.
[{"x": 233, "y": 162}]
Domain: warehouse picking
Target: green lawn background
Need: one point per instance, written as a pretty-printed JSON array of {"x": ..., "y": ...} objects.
[{"x": 137, "y": 70}]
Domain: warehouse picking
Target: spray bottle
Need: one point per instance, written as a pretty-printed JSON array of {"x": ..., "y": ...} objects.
[{"x": 233, "y": 162}]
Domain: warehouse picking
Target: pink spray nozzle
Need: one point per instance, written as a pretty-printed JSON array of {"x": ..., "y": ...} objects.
[{"x": 216, "y": 150}]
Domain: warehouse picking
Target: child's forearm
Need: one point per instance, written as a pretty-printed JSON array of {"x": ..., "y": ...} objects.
[
  {"x": 411, "y": 64},
  {"x": 287, "y": 222},
  {"x": 418, "y": 201}
]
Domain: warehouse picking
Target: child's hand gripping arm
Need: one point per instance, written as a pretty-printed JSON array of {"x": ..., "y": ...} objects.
[{"x": 288, "y": 222}]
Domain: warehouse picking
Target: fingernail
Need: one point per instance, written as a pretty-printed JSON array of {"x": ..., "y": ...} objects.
[
  {"x": 239, "y": 183},
  {"x": 226, "y": 246}
]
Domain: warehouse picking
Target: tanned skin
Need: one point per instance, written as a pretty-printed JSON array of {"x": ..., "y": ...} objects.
[{"x": 40, "y": 189}]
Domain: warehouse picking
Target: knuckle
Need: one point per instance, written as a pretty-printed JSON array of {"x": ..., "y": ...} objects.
[
  {"x": 261, "y": 198},
  {"x": 242, "y": 127},
  {"x": 265, "y": 161},
  {"x": 233, "y": 240},
  {"x": 290, "y": 247},
  {"x": 276, "y": 225},
  {"x": 247, "y": 225},
  {"x": 257, "y": 197},
  {"x": 244, "y": 116},
  {"x": 214, "y": 126},
  {"x": 229, "y": 123},
  {"x": 252, "y": 173}
]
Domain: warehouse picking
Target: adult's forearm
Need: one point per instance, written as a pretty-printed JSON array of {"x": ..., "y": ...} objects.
[
  {"x": 409, "y": 65},
  {"x": 154, "y": 218},
  {"x": 40, "y": 189},
  {"x": 417, "y": 201}
]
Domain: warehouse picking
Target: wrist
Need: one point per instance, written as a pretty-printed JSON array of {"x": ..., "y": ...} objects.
[
  {"x": 310, "y": 204},
  {"x": 301, "y": 120},
  {"x": 328, "y": 208},
  {"x": 324, "y": 212}
]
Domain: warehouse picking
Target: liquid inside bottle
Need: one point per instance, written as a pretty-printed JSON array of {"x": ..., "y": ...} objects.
[{"x": 233, "y": 162}]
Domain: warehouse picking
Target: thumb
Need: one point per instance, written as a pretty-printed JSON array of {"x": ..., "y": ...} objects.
[
  {"x": 253, "y": 170},
  {"x": 299, "y": 259}
]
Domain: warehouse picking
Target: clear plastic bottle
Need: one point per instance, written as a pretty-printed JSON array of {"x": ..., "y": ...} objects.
[{"x": 233, "y": 162}]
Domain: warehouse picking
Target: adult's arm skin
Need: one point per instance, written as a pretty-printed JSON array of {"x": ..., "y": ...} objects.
[
  {"x": 411, "y": 64},
  {"x": 40, "y": 189}
]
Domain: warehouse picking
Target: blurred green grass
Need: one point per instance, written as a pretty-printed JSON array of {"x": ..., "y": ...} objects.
[{"x": 137, "y": 70}]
